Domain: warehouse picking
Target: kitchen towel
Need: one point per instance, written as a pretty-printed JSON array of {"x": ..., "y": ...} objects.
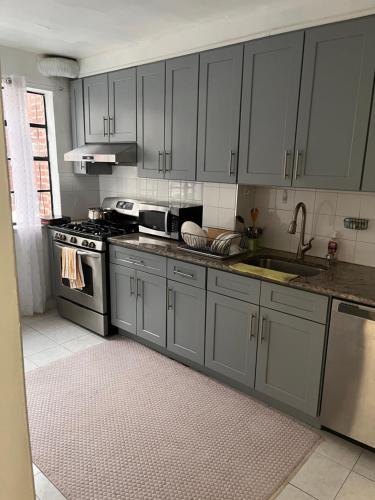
[
  {"x": 71, "y": 268},
  {"x": 266, "y": 273}
]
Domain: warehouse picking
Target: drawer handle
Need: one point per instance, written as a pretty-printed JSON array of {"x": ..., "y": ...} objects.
[
  {"x": 170, "y": 298},
  {"x": 252, "y": 324},
  {"x": 263, "y": 337},
  {"x": 185, "y": 275},
  {"x": 134, "y": 262}
]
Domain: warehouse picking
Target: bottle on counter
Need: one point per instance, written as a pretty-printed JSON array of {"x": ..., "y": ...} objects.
[{"x": 332, "y": 247}]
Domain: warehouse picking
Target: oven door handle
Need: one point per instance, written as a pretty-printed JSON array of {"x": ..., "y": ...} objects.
[{"x": 83, "y": 254}]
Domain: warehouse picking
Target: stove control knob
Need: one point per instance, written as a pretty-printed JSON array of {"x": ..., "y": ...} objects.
[
  {"x": 73, "y": 239},
  {"x": 92, "y": 245},
  {"x": 63, "y": 237},
  {"x": 85, "y": 243}
]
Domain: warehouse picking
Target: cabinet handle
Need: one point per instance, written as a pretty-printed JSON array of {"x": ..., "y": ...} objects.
[
  {"x": 231, "y": 155},
  {"x": 167, "y": 154},
  {"x": 111, "y": 119},
  {"x": 285, "y": 163},
  {"x": 263, "y": 330},
  {"x": 139, "y": 287},
  {"x": 160, "y": 166},
  {"x": 296, "y": 163},
  {"x": 170, "y": 298},
  {"x": 252, "y": 319},
  {"x": 134, "y": 262},
  {"x": 131, "y": 285},
  {"x": 105, "y": 119},
  {"x": 185, "y": 275}
]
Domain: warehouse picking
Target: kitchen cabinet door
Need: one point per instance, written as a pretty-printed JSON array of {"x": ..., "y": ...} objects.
[
  {"x": 181, "y": 110},
  {"x": 77, "y": 120},
  {"x": 219, "y": 114},
  {"x": 270, "y": 89},
  {"x": 335, "y": 101},
  {"x": 368, "y": 180},
  {"x": 231, "y": 339},
  {"x": 123, "y": 297},
  {"x": 96, "y": 108},
  {"x": 186, "y": 314},
  {"x": 122, "y": 87},
  {"x": 289, "y": 361},
  {"x": 151, "y": 308},
  {"x": 150, "y": 119}
]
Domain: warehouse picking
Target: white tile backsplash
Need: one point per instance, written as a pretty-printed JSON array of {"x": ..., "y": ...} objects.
[
  {"x": 326, "y": 211},
  {"x": 219, "y": 200}
]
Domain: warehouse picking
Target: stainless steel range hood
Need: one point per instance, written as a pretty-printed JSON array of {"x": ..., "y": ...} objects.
[{"x": 124, "y": 154}]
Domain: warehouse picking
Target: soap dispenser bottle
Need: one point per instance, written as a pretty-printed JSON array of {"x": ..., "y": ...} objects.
[{"x": 332, "y": 247}]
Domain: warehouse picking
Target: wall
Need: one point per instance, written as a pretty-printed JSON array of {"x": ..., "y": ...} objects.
[
  {"x": 326, "y": 211},
  {"x": 253, "y": 19},
  {"x": 219, "y": 200},
  {"x": 16, "y": 478},
  {"x": 74, "y": 194}
]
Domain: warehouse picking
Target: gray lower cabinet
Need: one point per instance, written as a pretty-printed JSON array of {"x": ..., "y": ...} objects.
[
  {"x": 181, "y": 109},
  {"x": 138, "y": 303},
  {"x": 231, "y": 339},
  {"x": 270, "y": 89},
  {"x": 150, "y": 119},
  {"x": 122, "y": 94},
  {"x": 123, "y": 298},
  {"x": 96, "y": 108},
  {"x": 220, "y": 73},
  {"x": 186, "y": 315},
  {"x": 151, "y": 307},
  {"x": 335, "y": 100},
  {"x": 289, "y": 360}
]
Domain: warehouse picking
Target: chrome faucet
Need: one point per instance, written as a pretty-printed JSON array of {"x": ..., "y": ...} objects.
[{"x": 302, "y": 246}]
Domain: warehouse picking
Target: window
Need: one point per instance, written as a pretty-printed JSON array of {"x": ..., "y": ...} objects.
[{"x": 36, "y": 111}]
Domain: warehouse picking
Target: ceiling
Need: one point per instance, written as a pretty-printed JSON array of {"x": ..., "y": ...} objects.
[{"x": 82, "y": 28}]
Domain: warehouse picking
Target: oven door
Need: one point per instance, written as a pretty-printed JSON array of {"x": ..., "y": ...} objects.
[
  {"x": 154, "y": 220},
  {"x": 93, "y": 295}
]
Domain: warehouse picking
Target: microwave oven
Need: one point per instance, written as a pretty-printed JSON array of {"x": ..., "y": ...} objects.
[{"x": 166, "y": 219}]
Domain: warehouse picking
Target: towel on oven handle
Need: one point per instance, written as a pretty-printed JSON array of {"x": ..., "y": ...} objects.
[{"x": 71, "y": 267}]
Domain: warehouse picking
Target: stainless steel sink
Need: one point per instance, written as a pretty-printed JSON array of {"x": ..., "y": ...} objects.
[{"x": 284, "y": 265}]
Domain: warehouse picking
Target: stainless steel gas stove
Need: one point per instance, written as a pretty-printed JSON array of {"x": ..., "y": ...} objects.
[{"x": 90, "y": 307}]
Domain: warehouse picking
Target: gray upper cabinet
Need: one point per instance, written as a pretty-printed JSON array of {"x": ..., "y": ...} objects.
[
  {"x": 219, "y": 114},
  {"x": 96, "y": 108},
  {"x": 181, "y": 110},
  {"x": 151, "y": 308},
  {"x": 231, "y": 338},
  {"x": 289, "y": 361},
  {"x": 270, "y": 90},
  {"x": 77, "y": 113},
  {"x": 122, "y": 95},
  {"x": 123, "y": 297},
  {"x": 77, "y": 120},
  {"x": 335, "y": 99},
  {"x": 150, "y": 119},
  {"x": 186, "y": 314},
  {"x": 368, "y": 180}
]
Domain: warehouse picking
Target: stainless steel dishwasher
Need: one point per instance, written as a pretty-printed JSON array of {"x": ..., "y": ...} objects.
[{"x": 348, "y": 404}]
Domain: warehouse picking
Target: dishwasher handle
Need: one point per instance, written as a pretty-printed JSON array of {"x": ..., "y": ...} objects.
[{"x": 353, "y": 310}]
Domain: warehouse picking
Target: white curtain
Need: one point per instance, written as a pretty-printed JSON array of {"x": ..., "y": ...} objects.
[{"x": 28, "y": 231}]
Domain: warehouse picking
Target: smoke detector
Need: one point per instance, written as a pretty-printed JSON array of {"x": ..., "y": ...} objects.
[{"x": 61, "y": 67}]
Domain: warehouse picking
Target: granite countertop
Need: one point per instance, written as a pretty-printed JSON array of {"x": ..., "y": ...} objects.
[{"x": 339, "y": 279}]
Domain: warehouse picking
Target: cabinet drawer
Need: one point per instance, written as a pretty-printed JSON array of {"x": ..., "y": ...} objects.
[
  {"x": 232, "y": 285},
  {"x": 297, "y": 302},
  {"x": 143, "y": 261},
  {"x": 185, "y": 272}
]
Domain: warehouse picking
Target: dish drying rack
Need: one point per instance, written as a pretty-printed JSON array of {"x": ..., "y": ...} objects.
[{"x": 218, "y": 248}]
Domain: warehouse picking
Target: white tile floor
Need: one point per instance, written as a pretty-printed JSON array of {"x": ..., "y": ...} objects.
[{"x": 336, "y": 470}]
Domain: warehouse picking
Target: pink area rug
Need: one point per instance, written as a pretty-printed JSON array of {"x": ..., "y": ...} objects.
[{"x": 120, "y": 421}]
